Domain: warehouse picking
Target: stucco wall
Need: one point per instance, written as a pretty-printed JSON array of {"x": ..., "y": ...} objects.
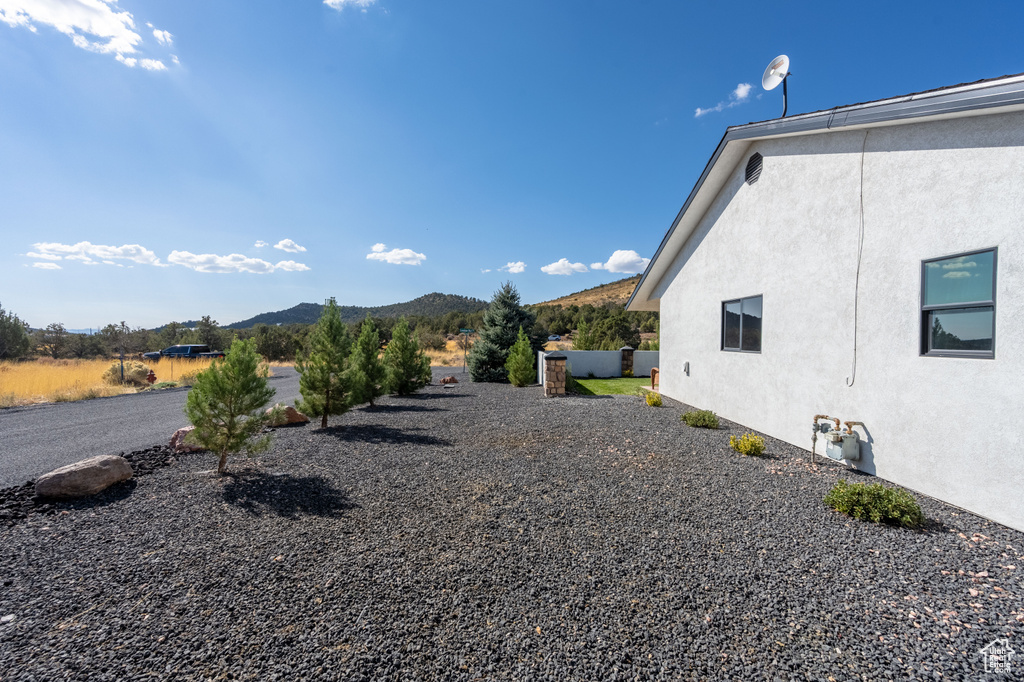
[
  {"x": 601, "y": 363},
  {"x": 946, "y": 427},
  {"x": 643, "y": 361}
]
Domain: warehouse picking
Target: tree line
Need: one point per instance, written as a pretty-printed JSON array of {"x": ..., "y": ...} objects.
[{"x": 606, "y": 327}]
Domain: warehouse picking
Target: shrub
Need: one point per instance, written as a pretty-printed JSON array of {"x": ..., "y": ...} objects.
[
  {"x": 429, "y": 340},
  {"x": 571, "y": 385},
  {"x": 520, "y": 362},
  {"x": 188, "y": 377},
  {"x": 653, "y": 399},
  {"x": 875, "y": 503},
  {"x": 748, "y": 444},
  {"x": 225, "y": 404},
  {"x": 628, "y": 374},
  {"x": 135, "y": 373},
  {"x": 701, "y": 419}
]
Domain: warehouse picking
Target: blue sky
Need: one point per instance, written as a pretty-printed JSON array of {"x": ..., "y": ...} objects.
[{"x": 168, "y": 159}]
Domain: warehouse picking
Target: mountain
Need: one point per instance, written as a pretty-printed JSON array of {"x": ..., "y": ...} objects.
[
  {"x": 430, "y": 305},
  {"x": 617, "y": 292}
]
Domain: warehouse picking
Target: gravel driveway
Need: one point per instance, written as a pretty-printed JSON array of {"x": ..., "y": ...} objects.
[{"x": 484, "y": 532}]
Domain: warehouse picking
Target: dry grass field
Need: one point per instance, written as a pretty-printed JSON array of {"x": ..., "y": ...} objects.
[
  {"x": 46, "y": 380},
  {"x": 613, "y": 292},
  {"x": 451, "y": 356}
]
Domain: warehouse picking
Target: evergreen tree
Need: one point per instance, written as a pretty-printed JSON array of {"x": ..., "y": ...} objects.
[
  {"x": 323, "y": 383},
  {"x": 226, "y": 404},
  {"x": 498, "y": 334},
  {"x": 520, "y": 361},
  {"x": 407, "y": 367},
  {"x": 365, "y": 370},
  {"x": 14, "y": 338},
  {"x": 584, "y": 338}
]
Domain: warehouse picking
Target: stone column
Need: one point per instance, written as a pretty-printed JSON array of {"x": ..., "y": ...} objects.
[
  {"x": 627, "y": 360},
  {"x": 554, "y": 375}
]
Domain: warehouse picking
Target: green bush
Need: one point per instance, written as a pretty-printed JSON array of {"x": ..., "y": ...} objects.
[
  {"x": 875, "y": 503},
  {"x": 653, "y": 399},
  {"x": 628, "y": 374},
  {"x": 520, "y": 362},
  {"x": 748, "y": 444},
  {"x": 135, "y": 373},
  {"x": 701, "y": 419}
]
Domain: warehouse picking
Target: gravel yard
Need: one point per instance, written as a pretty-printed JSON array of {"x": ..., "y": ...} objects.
[{"x": 484, "y": 532}]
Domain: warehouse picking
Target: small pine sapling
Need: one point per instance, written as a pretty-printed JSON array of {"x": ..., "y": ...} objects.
[
  {"x": 322, "y": 381},
  {"x": 519, "y": 365},
  {"x": 226, "y": 404},
  {"x": 407, "y": 368},
  {"x": 366, "y": 373}
]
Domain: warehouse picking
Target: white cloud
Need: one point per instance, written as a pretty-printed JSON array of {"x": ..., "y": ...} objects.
[
  {"x": 956, "y": 274},
  {"x": 739, "y": 95},
  {"x": 485, "y": 270},
  {"x": 94, "y": 25},
  {"x": 289, "y": 246},
  {"x": 291, "y": 266},
  {"x": 260, "y": 244},
  {"x": 563, "y": 267},
  {"x": 341, "y": 4},
  {"x": 235, "y": 262},
  {"x": 395, "y": 256},
  {"x": 623, "y": 261},
  {"x": 513, "y": 267},
  {"x": 85, "y": 251},
  {"x": 46, "y": 266}
]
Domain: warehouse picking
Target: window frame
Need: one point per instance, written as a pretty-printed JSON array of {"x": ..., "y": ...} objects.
[
  {"x": 722, "y": 345},
  {"x": 926, "y": 311}
]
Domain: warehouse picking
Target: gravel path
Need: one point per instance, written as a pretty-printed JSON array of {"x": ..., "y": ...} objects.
[
  {"x": 39, "y": 438},
  {"x": 483, "y": 532}
]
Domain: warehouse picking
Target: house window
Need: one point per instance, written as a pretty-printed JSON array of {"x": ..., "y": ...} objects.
[
  {"x": 958, "y": 305},
  {"x": 741, "y": 324}
]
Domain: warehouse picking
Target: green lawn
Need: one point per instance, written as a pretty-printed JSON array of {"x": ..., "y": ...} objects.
[{"x": 623, "y": 386}]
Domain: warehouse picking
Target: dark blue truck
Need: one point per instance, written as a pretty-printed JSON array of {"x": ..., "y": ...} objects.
[{"x": 185, "y": 350}]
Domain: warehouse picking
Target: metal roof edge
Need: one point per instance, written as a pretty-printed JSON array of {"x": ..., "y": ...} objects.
[{"x": 989, "y": 94}]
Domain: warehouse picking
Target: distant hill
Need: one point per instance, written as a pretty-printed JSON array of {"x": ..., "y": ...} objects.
[
  {"x": 617, "y": 292},
  {"x": 430, "y": 305}
]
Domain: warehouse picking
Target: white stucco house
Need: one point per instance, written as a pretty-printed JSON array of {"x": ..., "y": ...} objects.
[{"x": 867, "y": 263}]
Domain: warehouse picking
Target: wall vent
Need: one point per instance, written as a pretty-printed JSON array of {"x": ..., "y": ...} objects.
[{"x": 754, "y": 168}]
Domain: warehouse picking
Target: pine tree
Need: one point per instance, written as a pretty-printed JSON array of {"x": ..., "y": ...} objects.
[
  {"x": 322, "y": 381},
  {"x": 365, "y": 370},
  {"x": 226, "y": 401},
  {"x": 498, "y": 334},
  {"x": 584, "y": 338},
  {"x": 407, "y": 367},
  {"x": 520, "y": 361}
]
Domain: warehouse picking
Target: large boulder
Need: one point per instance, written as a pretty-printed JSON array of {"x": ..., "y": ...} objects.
[
  {"x": 178, "y": 443},
  {"x": 84, "y": 478},
  {"x": 286, "y": 415}
]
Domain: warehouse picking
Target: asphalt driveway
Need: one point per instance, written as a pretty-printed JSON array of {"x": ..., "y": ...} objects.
[{"x": 39, "y": 438}]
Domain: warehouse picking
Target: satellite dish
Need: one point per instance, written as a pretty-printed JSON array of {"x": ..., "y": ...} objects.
[{"x": 776, "y": 73}]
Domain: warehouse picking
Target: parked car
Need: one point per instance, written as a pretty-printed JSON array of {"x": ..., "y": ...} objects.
[
  {"x": 187, "y": 350},
  {"x": 554, "y": 337}
]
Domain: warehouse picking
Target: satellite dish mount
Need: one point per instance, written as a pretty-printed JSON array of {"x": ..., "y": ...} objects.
[{"x": 777, "y": 72}]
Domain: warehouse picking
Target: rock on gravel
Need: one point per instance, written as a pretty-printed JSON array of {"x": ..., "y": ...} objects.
[
  {"x": 481, "y": 532},
  {"x": 178, "y": 443},
  {"x": 84, "y": 478}
]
